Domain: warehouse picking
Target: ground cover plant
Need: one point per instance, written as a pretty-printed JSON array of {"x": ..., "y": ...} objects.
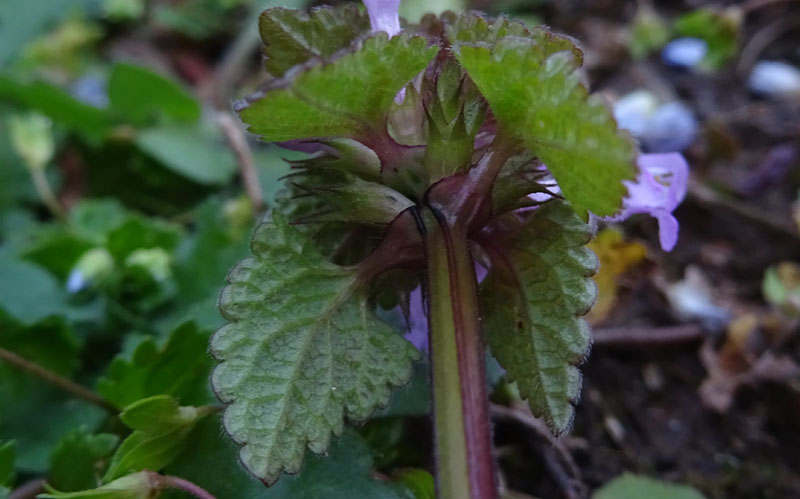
[{"x": 418, "y": 214}]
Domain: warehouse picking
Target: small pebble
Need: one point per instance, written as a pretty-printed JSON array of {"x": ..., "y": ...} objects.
[
  {"x": 659, "y": 128},
  {"x": 684, "y": 52},
  {"x": 775, "y": 79}
]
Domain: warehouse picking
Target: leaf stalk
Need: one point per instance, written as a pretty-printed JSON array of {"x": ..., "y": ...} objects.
[{"x": 464, "y": 463}]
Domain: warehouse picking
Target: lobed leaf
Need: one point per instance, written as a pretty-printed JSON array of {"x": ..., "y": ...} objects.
[
  {"x": 345, "y": 98},
  {"x": 533, "y": 297},
  {"x": 301, "y": 353},
  {"x": 179, "y": 368},
  {"x": 74, "y": 462},
  {"x": 534, "y": 89},
  {"x": 292, "y": 36}
]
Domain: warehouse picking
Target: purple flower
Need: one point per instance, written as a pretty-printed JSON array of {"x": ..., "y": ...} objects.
[
  {"x": 658, "y": 190},
  {"x": 383, "y": 15}
]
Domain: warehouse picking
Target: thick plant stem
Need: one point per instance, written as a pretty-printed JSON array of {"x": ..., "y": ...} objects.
[{"x": 464, "y": 463}]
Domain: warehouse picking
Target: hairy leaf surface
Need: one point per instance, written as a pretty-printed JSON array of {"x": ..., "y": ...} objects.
[
  {"x": 293, "y": 37},
  {"x": 343, "y": 99},
  {"x": 533, "y": 297},
  {"x": 534, "y": 89},
  {"x": 301, "y": 352}
]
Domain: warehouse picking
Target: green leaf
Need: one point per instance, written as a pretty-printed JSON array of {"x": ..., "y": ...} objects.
[
  {"x": 161, "y": 427},
  {"x": 190, "y": 152},
  {"x": 179, "y": 368},
  {"x": 75, "y": 460},
  {"x": 57, "y": 104},
  {"x": 8, "y": 452},
  {"x": 135, "y": 486},
  {"x": 301, "y": 352},
  {"x": 292, "y": 37},
  {"x": 56, "y": 249},
  {"x": 35, "y": 293},
  {"x": 138, "y": 232},
  {"x": 209, "y": 460},
  {"x": 24, "y": 20},
  {"x": 630, "y": 486},
  {"x": 534, "y": 89},
  {"x": 141, "y": 96},
  {"x": 346, "y": 98},
  {"x": 220, "y": 237},
  {"x": 94, "y": 219},
  {"x": 719, "y": 28},
  {"x": 532, "y": 299},
  {"x": 648, "y": 32},
  {"x": 420, "y": 482},
  {"x": 40, "y": 414}
]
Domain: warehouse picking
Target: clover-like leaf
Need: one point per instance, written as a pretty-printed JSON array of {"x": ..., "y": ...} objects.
[
  {"x": 532, "y": 298},
  {"x": 346, "y": 98},
  {"x": 533, "y": 86},
  {"x": 179, "y": 368},
  {"x": 74, "y": 462},
  {"x": 302, "y": 352},
  {"x": 292, "y": 36}
]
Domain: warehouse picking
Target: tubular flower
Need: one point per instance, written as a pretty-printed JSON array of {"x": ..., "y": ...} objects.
[
  {"x": 658, "y": 190},
  {"x": 383, "y": 15}
]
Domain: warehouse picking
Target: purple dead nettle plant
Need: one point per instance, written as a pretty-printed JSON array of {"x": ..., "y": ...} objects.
[{"x": 458, "y": 169}]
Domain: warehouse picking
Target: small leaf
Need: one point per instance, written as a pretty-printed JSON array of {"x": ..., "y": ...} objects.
[
  {"x": 189, "y": 152},
  {"x": 292, "y": 37},
  {"x": 346, "y": 98},
  {"x": 534, "y": 89},
  {"x": 179, "y": 368},
  {"x": 420, "y": 482},
  {"x": 94, "y": 219},
  {"x": 138, "y": 232},
  {"x": 161, "y": 427},
  {"x": 135, "y": 486},
  {"x": 141, "y": 96},
  {"x": 630, "y": 486},
  {"x": 74, "y": 463},
  {"x": 720, "y": 28},
  {"x": 35, "y": 294},
  {"x": 301, "y": 352},
  {"x": 533, "y": 297}
]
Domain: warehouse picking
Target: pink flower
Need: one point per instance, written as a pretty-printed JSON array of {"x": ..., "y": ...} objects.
[
  {"x": 658, "y": 190},
  {"x": 383, "y": 15}
]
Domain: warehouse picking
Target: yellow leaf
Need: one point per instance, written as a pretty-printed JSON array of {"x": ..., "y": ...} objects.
[{"x": 616, "y": 257}]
